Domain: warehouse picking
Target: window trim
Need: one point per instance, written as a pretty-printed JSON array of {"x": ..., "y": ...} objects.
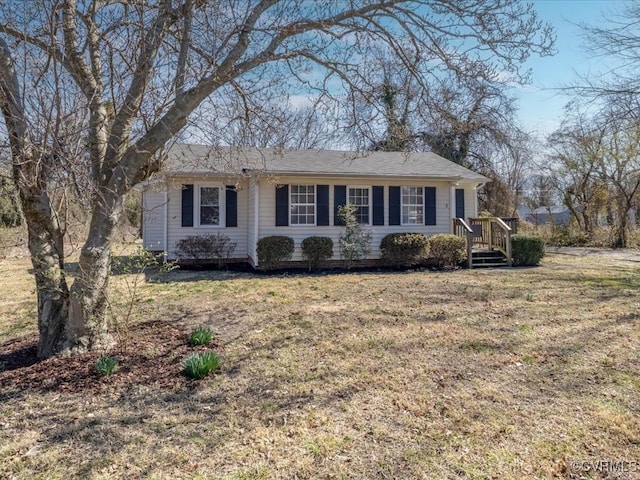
[
  {"x": 369, "y": 204},
  {"x": 315, "y": 204},
  {"x": 221, "y": 205},
  {"x": 419, "y": 204}
]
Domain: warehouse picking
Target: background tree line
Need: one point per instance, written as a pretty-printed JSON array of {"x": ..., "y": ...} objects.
[{"x": 593, "y": 161}]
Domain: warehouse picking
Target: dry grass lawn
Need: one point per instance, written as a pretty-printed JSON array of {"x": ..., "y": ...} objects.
[{"x": 483, "y": 374}]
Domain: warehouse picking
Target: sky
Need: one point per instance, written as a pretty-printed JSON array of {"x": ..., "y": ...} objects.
[{"x": 541, "y": 102}]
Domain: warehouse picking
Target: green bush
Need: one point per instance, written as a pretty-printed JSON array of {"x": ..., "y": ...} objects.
[
  {"x": 199, "y": 365},
  {"x": 404, "y": 249},
  {"x": 447, "y": 250},
  {"x": 526, "y": 250},
  {"x": 316, "y": 250},
  {"x": 106, "y": 366},
  {"x": 273, "y": 250},
  {"x": 200, "y": 336}
]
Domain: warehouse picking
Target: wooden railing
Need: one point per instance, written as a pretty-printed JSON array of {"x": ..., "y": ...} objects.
[
  {"x": 513, "y": 223},
  {"x": 460, "y": 228},
  {"x": 492, "y": 233}
]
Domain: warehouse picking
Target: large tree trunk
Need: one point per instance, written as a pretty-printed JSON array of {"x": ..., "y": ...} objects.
[
  {"x": 46, "y": 249},
  {"x": 88, "y": 326},
  {"x": 30, "y": 169}
]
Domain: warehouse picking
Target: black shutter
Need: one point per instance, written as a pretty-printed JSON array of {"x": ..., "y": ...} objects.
[
  {"x": 231, "y": 207},
  {"x": 394, "y": 206},
  {"x": 430, "y": 205},
  {"x": 339, "y": 198},
  {"x": 282, "y": 205},
  {"x": 378, "y": 205},
  {"x": 187, "y": 205},
  {"x": 460, "y": 202},
  {"x": 322, "y": 205}
]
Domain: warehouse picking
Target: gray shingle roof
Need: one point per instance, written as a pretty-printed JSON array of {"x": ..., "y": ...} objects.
[{"x": 183, "y": 159}]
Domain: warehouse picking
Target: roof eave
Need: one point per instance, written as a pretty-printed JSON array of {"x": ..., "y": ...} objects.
[{"x": 251, "y": 172}]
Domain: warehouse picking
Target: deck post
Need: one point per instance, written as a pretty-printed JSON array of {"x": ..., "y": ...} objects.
[{"x": 469, "y": 249}]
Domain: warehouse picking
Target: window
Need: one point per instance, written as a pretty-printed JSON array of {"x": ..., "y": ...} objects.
[
  {"x": 303, "y": 205},
  {"x": 360, "y": 197},
  {"x": 209, "y": 206},
  {"x": 412, "y": 206}
]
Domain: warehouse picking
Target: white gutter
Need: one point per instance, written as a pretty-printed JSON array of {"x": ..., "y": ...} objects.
[
  {"x": 165, "y": 252},
  {"x": 452, "y": 199},
  {"x": 256, "y": 220},
  {"x": 328, "y": 174}
]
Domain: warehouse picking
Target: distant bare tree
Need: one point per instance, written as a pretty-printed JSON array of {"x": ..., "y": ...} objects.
[
  {"x": 454, "y": 114},
  {"x": 597, "y": 166},
  {"x": 576, "y": 151},
  {"x": 275, "y": 124},
  {"x": 467, "y": 120},
  {"x": 616, "y": 35}
]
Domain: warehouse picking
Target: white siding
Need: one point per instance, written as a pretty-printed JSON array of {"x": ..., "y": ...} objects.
[
  {"x": 470, "y": 200},
  {"x": 176, "y": 231},
  {"x": 298, "y": 233},
  {"x": 252, "y": 225},
  {"x": 153, "y": 218}
]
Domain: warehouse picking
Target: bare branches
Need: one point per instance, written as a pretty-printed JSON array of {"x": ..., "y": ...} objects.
[{"x": 596, "y": 159}]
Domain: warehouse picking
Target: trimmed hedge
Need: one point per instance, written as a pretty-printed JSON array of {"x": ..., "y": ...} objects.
[
  {"x": 316, "y": 250},
  {"x": 273, "y": 250},
  {"x": 526, "y": 250},
  {"x": 404, "y": 249},
  {"x": 447, "y": 250}
]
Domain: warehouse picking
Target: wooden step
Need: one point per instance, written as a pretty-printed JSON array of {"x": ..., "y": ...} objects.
[
  {"x": 488, "y": 258},
  {"x": 489, "y": 265}
]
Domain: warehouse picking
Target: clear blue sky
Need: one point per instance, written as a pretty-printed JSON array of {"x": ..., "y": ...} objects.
[{"x": 540, "y": 103}]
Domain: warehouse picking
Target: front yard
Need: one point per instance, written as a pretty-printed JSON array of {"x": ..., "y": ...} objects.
[{"x": 481, "y": 374}]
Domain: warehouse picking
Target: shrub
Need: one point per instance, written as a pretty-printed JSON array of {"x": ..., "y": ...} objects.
[
  {"x": 316, "y": 250},
  {"x": 199, "y": 365},
  {"x": 526, "y": 250},
  {"x": 133, "y": 208},
  {"x": 403, "y": 249},
  {"x": 200, "y": 336},
  {"x": 106, "y": 366},
  {"x": 355, "y": 241},
  {"x": 447, "y": 250},
  {"x": 206, "y": 247},
  {"x": 568, "y": 236},
  {"x": 273, "y": 250}
]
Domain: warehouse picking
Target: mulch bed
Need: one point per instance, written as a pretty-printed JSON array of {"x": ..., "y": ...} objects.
[{"x": 152, "y": 357}]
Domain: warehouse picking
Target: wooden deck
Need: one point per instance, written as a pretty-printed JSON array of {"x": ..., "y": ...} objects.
[{"x": 488, "y": 240}]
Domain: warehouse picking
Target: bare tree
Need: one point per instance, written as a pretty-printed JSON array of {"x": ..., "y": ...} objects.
[
  {"x": 275, "y": 123},
  {"x": 458, "y": 115},
  {"x": 509, "y": 165},
  {"x": 576, "y": 151},
  {"x": 620, "y": 169},
  {"x": 144, "y": 67},
  {"x": 463, "y": 118},
  {"x": 617, "y": 37},
  {"x": 597, "y": 163}
]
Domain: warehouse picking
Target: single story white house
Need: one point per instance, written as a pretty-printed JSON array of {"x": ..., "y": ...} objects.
[{"x": 249, "y": 193}]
